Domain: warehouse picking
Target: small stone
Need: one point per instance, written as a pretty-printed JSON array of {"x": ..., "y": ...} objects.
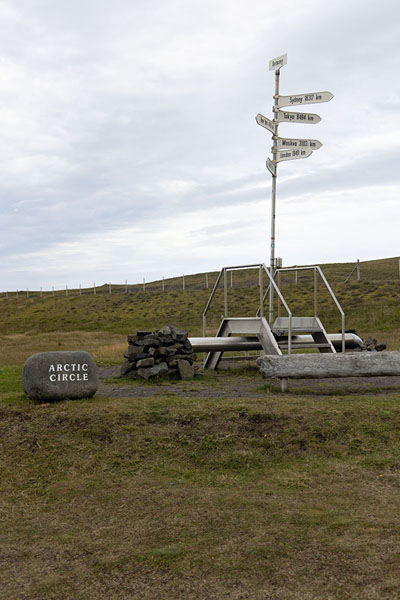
[
  {"x": 142, "y": 334},
  {"x": 178, "y": 334},
  {"x": 149, "y": 340},
  {"x": 186, "y": 370},
  {"x": 153, "y": 371},
  {"x": 187, "y": 357},
  {"x": 132, "y": 350},
  {"x": 126, "y": 367},
  {"x": 145, "y": 362},
  {"x": 132, "y": 339},
  {"x": 165, "y": 340},
  {"x": 163, "y": 351},
  {"x": 166, "y": 330}
]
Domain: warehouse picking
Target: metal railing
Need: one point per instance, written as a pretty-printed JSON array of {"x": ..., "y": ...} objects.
[
  {"x": 317, "y": 271},
  {"x": 260, "y": 312}
]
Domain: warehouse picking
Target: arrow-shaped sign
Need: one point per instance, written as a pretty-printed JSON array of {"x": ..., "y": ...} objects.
[
  {"x": 267, "y": 123},
  {"x": 290, "y": 143},
  {"x": 276, "y": 63},
  {"x": 271, "y": 167},
  {"x": 293, "y": 154},
  {"x": 312, "y": 98},
  {"x": 296, "y": 117}
]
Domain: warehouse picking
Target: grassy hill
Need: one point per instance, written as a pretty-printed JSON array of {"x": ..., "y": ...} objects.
[
  {"x": 208, "y": 489},
  {"x": 371, "y": 305}
]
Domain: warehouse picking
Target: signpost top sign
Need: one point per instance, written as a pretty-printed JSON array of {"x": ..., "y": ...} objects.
[
  {"x": 276, "y": 63},
  {"x": 310, "y": 98}
]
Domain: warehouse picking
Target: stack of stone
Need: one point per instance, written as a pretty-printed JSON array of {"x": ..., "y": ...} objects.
[{"x": 166, "y": 353}]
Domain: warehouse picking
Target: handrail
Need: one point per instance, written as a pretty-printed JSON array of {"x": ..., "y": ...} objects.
[
  {"x": 260, "y": 266},
  {"x": 331, "y": 292}
]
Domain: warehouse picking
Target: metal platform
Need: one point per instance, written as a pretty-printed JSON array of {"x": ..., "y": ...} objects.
[{"x": 282, "y": 333}]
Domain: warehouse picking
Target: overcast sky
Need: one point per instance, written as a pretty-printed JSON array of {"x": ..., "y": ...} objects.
[{"x": 129, "y": 146}]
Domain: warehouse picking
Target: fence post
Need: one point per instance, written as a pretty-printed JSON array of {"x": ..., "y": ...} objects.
[
  {"x": 144, "y": 284},
  {"x": 295, "y": 276},
  {"x": 27, "y": 293},
  {"x": 126, "y": 286},
  {"x": 41, "y": 293},
  {"x": 207, "y": 276},
  {"x": 183, "y": 282},
  {"x": 53, "y": 290},
  {"x": 163, "y": 282},
  {"x": 66, "y": 290},
  {"x": 231, "y": 280},
  {"x": 80, "y": 290},
  {"x": 7, "y": 294},
  {"x": 94, "y": 289},
  {"x": 109, "y": 287},
  {"x": 17, "y": 293},
  {"x": 358, "y": 269}
]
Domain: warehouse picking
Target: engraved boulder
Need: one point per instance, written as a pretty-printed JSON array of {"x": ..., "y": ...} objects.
[{"x": 48, "y": 376}]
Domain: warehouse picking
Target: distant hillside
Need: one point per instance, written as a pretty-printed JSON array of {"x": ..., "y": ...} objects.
[{"x": 371, "y": 304}]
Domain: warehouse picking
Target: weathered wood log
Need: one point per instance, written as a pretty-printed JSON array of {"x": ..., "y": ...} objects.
[{"x": 361, "y": 364}]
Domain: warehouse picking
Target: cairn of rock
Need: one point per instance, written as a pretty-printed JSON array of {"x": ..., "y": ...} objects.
[{"x": 165, "y": 353}]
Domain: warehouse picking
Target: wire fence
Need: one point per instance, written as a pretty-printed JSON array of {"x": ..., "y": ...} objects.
[{"x": 339, "y": 274}]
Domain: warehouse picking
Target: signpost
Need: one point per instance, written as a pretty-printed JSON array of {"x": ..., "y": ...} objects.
[
  {"x": 296, "y": 117},
  {"x": 292, "y": 154},
  {"x": 265, "y": 122},
  {"x": 284, "y": 149},
  {"x": 313, "y": 98},
  {"x": 295, "y": 143}
]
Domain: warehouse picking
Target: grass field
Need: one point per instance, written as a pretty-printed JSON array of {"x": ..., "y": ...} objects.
[{"x": 217, "y": 488}]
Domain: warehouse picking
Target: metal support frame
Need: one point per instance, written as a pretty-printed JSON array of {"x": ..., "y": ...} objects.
[{"x": 261, "y": 268}]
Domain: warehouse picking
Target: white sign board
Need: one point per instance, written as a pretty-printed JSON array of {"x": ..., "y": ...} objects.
[
  {"x": 265, "y": 122},
  {"x": 296, "y": 117},
  {"x": 312, "y": 98},
  {"x": 293, "y": 154},
  {"x": 290, "y": 143},
  {"x": 271, "y": 167},
  {"x": 276, "y": 63}
]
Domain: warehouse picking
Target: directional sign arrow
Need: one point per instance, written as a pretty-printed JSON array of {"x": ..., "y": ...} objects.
[
  {"x": 276, "y": 63},
  {"x": 271, "y": 167},
  {"x": 290, "y": 143},
  {"x": 267, "y": 123},
  {"x": 296, "y": 117},
  {"x": 312, "y": 98},
  {"x": 293, "y": 154}
]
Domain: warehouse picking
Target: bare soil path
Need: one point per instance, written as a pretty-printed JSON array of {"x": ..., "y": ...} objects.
[{"x": 240, "y": 382}]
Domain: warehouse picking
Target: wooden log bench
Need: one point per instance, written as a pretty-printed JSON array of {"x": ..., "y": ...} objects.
[{"x": 317, "y": 366}]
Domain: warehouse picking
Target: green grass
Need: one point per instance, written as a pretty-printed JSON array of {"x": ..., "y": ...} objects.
[
  {"x": 216, "y": 488},
  {"x": 280, "y": 496}
]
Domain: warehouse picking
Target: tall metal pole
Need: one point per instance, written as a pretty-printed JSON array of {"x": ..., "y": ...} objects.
[{"x": 273, "y": 198}]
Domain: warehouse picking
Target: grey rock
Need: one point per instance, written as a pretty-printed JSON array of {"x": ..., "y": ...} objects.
[
  {"x": 149, "y": 340},
  {"x": 132, "y": 350},
  {"x": 145, "y": 362},
  {"x": 188, "y": 357},
  {"x": 166, "y": 330},
  {"x": 165, "y": 351},
  {"x": 64, "y": 375},
  {"x": 142, "y": 334},
  {"x": 186, "y": 370},
  {"x": 126, "y": 367},
  {"x": 159, "y": 369},
  {"x": 178, "y": 334},
  {"x": 165, "y": 340}
]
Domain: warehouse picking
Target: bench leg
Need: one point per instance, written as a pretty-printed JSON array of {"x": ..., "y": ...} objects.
[{"x": 284, "y": 384}]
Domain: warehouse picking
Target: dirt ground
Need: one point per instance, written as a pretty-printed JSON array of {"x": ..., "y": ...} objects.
[{"x": 229, "y": 382}]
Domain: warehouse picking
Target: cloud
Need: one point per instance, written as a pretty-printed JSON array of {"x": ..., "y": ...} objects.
[{"x": 136, "y": 120}]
